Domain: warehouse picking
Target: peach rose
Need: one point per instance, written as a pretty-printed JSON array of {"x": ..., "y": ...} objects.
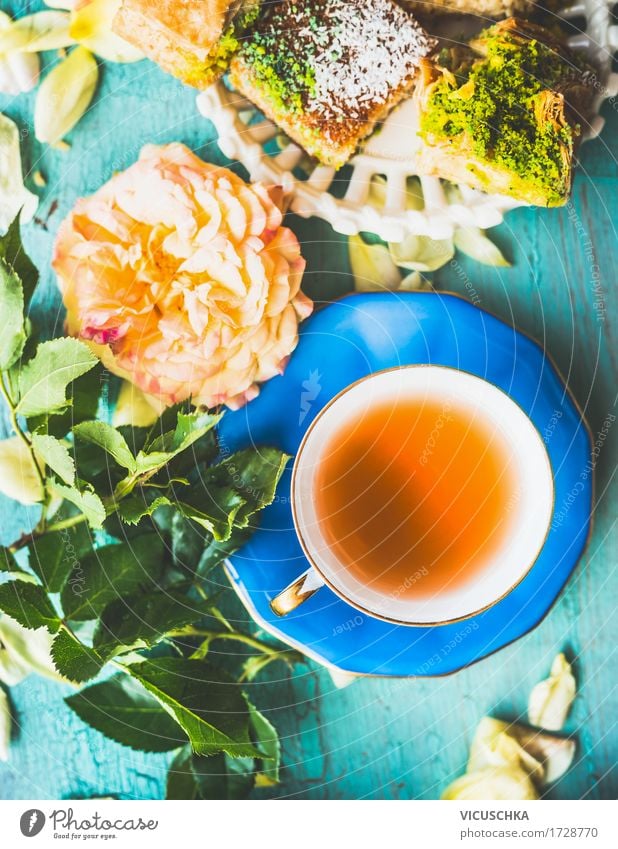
[{"x": 182, "y": 279}]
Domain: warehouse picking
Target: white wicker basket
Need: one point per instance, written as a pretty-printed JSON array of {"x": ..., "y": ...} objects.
[{"x": 243, "y": 139}]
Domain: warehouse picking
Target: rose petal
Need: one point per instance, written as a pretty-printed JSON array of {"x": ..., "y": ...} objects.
[
  {"x": 64, "y": 96},
  {"x": 173, "y": 268},
  {"x": 493, "y": 783},
  {"x": 493, "y": 746},
  {"x": 551, "y": 699},
  {"x": 13, "y": 194},
  {"x": 37, "y": 32},
  {"x": 91, "y": 26},
  {"x": 19, "y": 479},
  {"x": 372, "y": 266}
]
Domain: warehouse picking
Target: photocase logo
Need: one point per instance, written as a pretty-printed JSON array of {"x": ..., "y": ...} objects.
[
  {"x": 311, "y": 390},
  {"x": 32, "y": 822}
]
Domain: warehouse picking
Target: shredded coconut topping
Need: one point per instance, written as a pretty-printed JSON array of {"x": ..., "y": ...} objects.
[
  {"x": 343, "y": 60},
  {"x": 363, "y": 51}
]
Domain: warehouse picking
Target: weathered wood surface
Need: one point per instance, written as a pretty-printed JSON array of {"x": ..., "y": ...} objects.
[{"x": 376, "y": 738}]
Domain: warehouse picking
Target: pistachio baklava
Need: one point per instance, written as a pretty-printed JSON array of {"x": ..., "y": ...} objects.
[
  {"x": 482, "y": 8},
  {"x": 326, "y": 71},
  {"x": 505, "y": 113},
  {"x": 191, "y": 39}
]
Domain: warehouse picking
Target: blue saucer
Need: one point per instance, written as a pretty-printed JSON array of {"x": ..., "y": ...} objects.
[{"x": 349, "y": 339}]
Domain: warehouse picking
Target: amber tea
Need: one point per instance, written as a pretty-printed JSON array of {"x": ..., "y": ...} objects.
[
  {"x": 421, "y": 495},
  {"x": 413, "y": 496}
]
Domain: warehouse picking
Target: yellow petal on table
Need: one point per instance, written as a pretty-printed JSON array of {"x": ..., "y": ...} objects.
[
  {"x": 19, "y": 72},
  {"x": 475, "y": 244},
  {"x": 372, "y": 267},
  {"x": 5, "y": 725},
  {"x": 378, "y": 193},
  {"x": 551, "y": 699},
  {"x": 134, "y": 408},
  {"x": 556, "y": 753},
  {"x": 64, "y": 95},
  {"x": 18, "y": 475},
  {"x": 493, "y": 746},
  {"x": 415, "y": 282},
  {"x": 13, "y": 194},
  {"x": 559, "y": 754},
  {"x": 27, "y": 650},
  {"x": 492, "y": 783},
  {"x": 422, "y": 253},
  {"x": 11, "y": 670},
  {"x": 35, "y": 33},
  {"x": 91, "y": 26}
]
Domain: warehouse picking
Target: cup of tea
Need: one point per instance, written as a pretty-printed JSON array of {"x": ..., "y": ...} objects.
[{"x": 421, "y": 495}]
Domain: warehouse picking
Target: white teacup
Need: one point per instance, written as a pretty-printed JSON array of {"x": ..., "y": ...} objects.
[{"x": 530, "y": 507}]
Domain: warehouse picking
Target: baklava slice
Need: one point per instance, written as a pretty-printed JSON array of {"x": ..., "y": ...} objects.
[
  {"x": 505, "y": 114},
  {"x": 482, "y": 8},
  {"x": 326, "y": 71},
  {"x": 191, "y": 39}
]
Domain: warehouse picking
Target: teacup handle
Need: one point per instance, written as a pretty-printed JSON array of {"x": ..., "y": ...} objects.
[{"x": 297, "y": 592}]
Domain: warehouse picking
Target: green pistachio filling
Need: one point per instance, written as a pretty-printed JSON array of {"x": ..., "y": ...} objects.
[
  {"x": 226, "y": 47},
  {"x": 285, "y": 73},
  {"x": 493, "y": 103}
]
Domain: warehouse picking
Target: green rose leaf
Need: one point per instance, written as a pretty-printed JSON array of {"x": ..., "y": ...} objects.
[
  {"x": 208, "y": 704},
  {"x": 86, "y": 501},
  {"x": 188, "y": 542},
  {"x": 83, "y": 403},
  {"x": 196, "y": 551},
  {"x": 74, "y": 660},
  {"x": 172, "y": 433},
  {"x": 29, "y": 605},
  {"x": 232, "y": 491},
  {"x": 49, "y": 558},
  {"x": 109, "y": 573},
  {"x": 192, "y": 426},
  {"x": 8, "y": 562},
  {"x": 121, "y": 709},
  {"x": 9, "y": 567},
  {"x": 224, "y": 777},
  {"x": 135, "y": 437},
  {"x": 216, "y": 517},
  {"x": 13, "y": 336},
  {"x": 44, "y": 379},
  {"x": 139, "y": 621},
  {"x": 215, "y": 552},
  {"x": 56, "y": 455},
  {"x": 142, "y": 502},
  {"x": 181, "y": 780},
  {"x": 109, "y": 439},
  {"x": 256, "y": 473},
  {"x": 13, "y": 253},
  {"x": 265, "y": 736},
  {"x": 216, "y": 777},
  {"x": 177, "y": 428}
]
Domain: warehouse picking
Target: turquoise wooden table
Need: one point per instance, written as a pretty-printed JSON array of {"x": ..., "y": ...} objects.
[{"x": 379, "y": 739}]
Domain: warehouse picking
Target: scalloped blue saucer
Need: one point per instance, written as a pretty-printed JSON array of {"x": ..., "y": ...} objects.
[{"x": 341, "y": 343}]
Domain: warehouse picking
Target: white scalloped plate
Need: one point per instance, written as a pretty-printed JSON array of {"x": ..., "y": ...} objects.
[{"x": 243, "y": 138}]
